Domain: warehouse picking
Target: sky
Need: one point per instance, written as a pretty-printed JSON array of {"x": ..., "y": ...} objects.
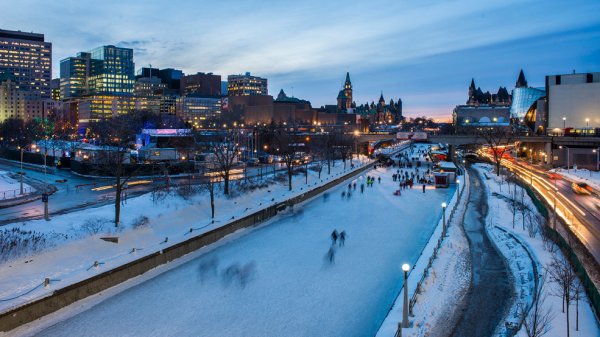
[{"x": 424, "y": 52}]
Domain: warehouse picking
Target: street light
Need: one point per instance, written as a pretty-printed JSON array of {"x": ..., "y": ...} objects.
[
  {"x": 564, "y": 123},
  {"x": 587, "y": 122},
  {"x": 444, "y": 218},
  {"x": 21, "y": 148},
  {"x": 405, "y": 268},
  {"x": 568, "y": 156}
]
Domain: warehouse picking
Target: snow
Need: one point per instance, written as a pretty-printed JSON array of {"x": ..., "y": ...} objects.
[
  {"x": 69, "y": 259},
  {"x": 292, "y": 289},
  {"x": 514, "y": 243},
  {"x": 591, "y": 178},
  {"x": 10, "y": 188},
  {"x": 449, "y": 276}
]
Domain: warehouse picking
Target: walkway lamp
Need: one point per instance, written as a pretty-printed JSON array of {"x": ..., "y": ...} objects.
[
  {"x": 405, "y": 268},
  {"x": 444, "y": 217}
]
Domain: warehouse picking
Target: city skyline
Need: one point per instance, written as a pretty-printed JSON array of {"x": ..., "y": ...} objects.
[{"x": 306, "y": 49}]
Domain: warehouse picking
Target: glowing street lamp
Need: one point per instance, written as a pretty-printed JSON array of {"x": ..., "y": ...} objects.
[
  {"x": 444, "y": 218},
  {"x": 587, "y": 122},
  {"x": 564, "y": 123},
  {"x": 405, "y": 268}
]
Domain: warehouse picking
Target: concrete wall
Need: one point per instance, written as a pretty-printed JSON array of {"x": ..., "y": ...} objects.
[{"x": 78, "y": 291}]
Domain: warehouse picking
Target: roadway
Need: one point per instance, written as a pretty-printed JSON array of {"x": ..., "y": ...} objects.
[
  {"x": 580, "y": 212},
  {"x": 79, "y": 192}
]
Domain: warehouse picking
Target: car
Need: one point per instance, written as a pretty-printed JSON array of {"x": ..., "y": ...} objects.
[
  {"x": 252, "y": 162},
  {"x": 553, "y": 176},
  {"x": 581, "y": 188}
]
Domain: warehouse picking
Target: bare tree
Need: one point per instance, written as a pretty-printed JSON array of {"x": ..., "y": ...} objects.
[
  {"x": 288, "y": 148},
  {"x": 226, "y": 151},
  {"x": 564, "y": 278},
  {"x": 498, "y": 140},
  {"x": 537, "y": 320},
  {"x": 117, "y": 136}
]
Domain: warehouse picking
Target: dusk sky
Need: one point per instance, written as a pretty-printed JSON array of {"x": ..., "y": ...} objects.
[{"x": 422, "y": 51}]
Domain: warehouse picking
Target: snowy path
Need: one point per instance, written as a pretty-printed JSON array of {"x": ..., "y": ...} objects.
[
  {"x": 490, "y": 279},
  {"x": 293, "y": 291}
]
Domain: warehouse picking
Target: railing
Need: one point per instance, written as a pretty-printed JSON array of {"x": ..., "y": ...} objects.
[{"x": 12, "y": 194}]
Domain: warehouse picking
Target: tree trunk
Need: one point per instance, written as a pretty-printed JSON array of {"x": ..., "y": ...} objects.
[
  {"x": 290, "y": 177},
  {"x": 226, "y": 183},
  {"x": 577, "y": 311},
  {"x": 568, "y": 330},
  {"x": 212, "y": 201},
  {"x": 498, "y": 166},
  {"x": 118, "y": 204},
  {"x": 328, "y": 166}
]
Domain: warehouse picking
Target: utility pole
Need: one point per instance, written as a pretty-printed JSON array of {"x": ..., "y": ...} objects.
[
  {"x": 45, "y": 194},
  {"x": 21, "y": 173}
]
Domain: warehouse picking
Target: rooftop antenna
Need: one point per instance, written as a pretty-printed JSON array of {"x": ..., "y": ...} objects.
[{"x": 292, "y": 91}]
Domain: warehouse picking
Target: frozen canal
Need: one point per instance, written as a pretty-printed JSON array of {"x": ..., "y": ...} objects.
[{"x": 291, "y": 290}]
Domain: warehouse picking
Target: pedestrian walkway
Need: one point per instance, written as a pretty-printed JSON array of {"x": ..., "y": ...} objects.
[{"x": 491, "y": 289}]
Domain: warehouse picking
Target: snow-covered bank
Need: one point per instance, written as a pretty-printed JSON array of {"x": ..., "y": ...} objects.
[
  {"x": 440, "y": 273},
  {"x": 11, "y": 188},
  {"x": 524, "y": 246}
]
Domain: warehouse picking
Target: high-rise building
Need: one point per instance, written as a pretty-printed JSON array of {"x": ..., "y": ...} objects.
[
  {"x": 172, "y": 78},
  {"x": 28, "y": 57},
  {"x": 103, "y": 79},
  {"x": 246, "y": 85},
  {"x": 201, "y": 84},
  {"x": 106, "y": 70}
]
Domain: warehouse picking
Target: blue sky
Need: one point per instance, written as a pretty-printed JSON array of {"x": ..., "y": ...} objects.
[{"x": 422, "y": 51}]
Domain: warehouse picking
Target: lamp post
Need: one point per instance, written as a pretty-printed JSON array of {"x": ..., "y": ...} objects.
[
  {"x": 587, "y": 122},
  {"x": 458, "y": 185},
  {"x": 21, "y": 173},
  {"x": 568, "y": 157},
  {"x": 444, "y": 218},
  {"x": 405, "y": 268},
  {"x": 564, "y": 124}
]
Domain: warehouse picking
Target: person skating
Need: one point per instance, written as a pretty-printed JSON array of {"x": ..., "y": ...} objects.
[
  {"x": 342, "y": 238},
  {"x": 423, "y": 188},
  {"x": 331, "y": 254},
  {"x": 334, "y": 236}
]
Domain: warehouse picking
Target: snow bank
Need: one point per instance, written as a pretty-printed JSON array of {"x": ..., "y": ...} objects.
[
  {"x": 522, "y": 245},
  {"x": 10, "y": 188}
]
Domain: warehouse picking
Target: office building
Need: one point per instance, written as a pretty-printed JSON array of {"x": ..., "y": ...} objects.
[
  {"x": 573, "y": 102},
  {"x": 12, "y": 99},
  {"x": 196, "y": 110},
  {"x": 172, "y": 78},
  {"x": 201, "y": 84},
  {"x": 99, "y": 83},
  {"x": 28, "y": 57},
  {"x": 246, "y": 85}
]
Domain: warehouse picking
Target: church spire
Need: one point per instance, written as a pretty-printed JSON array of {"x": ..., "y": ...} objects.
[
  {"x": 348, "y": 78},
  {"x": 521, "y": 81}
]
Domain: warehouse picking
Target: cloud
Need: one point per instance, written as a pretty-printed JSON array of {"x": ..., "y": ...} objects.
[{"x": 405, "y": 48}]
